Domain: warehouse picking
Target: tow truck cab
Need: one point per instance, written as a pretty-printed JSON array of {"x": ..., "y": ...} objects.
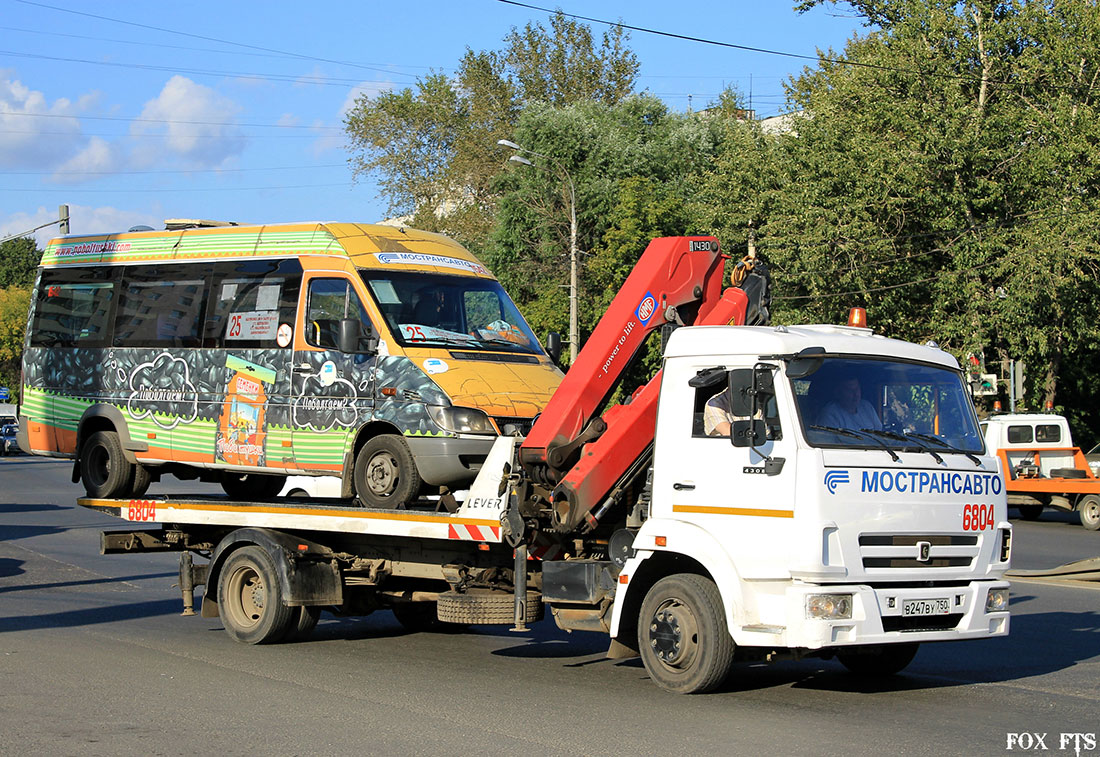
[{"x": 820, "y": 535}]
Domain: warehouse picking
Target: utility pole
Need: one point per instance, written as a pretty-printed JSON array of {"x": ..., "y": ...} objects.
[
  {"x": 62, "y": 223},
  {"x": 63, "y": 219},
  {"x": 574, "y": 321}
]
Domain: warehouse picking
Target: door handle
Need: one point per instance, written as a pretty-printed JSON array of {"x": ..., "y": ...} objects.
[{"x": 683, "y": 487}]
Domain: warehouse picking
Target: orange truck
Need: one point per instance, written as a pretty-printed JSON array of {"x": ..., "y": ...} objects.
[{"x": 1041, "y": 466}]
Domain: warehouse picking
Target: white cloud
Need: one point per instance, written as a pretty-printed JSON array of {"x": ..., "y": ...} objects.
[
  {"x": 82, "y": 220},
  {"x": 98, "y": 156},
  {"x": 35, "y": 133},
  {"x": 198, "y": 126}
]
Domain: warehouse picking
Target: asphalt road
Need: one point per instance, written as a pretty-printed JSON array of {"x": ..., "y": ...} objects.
[{"x": 95, "y": 659}]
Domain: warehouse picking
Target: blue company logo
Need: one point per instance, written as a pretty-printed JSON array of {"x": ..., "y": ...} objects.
[
  {"x": 387, "y": 259},
  {"x": 646, "y": 308},
  {"x": 835, "y": 478}
]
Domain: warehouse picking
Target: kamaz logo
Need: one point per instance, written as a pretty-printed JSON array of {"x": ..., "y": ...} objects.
[
  {"x": 646, "y": 308},
  {"x": 835, "y": 478}
]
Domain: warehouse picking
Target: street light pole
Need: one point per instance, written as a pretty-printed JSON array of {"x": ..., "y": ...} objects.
[{"x": 574, "y": 324}]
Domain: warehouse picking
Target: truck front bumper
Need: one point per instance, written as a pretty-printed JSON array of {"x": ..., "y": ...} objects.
[{"x": 884, "y": 614}]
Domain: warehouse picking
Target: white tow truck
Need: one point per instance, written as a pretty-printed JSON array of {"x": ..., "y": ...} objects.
[{"x": 796, "y": 533}]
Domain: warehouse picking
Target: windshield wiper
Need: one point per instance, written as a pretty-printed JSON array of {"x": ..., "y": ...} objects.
[
  {"x": 861, "y": 434},
  {"x": 946, "y": 446},
  {"x": 905, "y": 438}
]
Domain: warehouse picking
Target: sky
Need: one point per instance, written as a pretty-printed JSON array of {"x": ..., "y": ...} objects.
[{"x": 131, "y": 112}]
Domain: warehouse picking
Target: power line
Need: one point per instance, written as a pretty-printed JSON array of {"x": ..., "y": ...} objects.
[
  {"x": 381, "y": 67},
  {"x": 781, "y": 53},
  {"x": 330, "y": 81},
  {"x": 198, "y": 36},
  {"x": 168, "y": 121},
  {"x": 181, "y": 189},
  {"x": 164, "y": 172}
]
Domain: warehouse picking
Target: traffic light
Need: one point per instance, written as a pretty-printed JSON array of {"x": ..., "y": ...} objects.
[{"x": 986, "y": 386}]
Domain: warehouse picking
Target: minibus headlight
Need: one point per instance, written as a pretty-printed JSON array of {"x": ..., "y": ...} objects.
[
  {"x": 461, "y": 420},
  {"x": 829, "y": 606},
  {"x": 996, "y": 600}
]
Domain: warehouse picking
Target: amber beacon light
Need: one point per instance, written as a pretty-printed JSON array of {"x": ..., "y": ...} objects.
[{"x": 857, "y": 317}]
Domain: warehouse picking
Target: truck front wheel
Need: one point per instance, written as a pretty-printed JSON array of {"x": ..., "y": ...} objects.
[
  {"x": 249, "y": 599},
  {"x": 878, "y": 660},
  {"x": 385, "y": 473},
  {"x": 682, "y": 635},
  {"x": 1088, "y": 509}
]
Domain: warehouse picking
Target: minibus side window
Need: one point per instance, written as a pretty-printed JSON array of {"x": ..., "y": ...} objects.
[
  {"x": 73, "y": 308},
  {"x": 250, "y": 299},
  {"x": 331, "y": 300},
  {"x": 161, "y": 306}
]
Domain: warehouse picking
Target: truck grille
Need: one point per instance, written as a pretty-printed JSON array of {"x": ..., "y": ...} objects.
[
  {"x": 929, "y": 623},
  {"x": 886, "y": 551}
]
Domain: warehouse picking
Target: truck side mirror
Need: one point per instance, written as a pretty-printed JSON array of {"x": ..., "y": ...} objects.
[
  {"x": 553, "y": 345},
  {"x": 806, "y": 362},
  {"x": 748, "y": 433}
]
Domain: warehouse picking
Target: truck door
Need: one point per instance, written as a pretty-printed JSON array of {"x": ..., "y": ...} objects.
[
  {"x": 333, "y": 390},
  {"x": 727, "y": 489}
]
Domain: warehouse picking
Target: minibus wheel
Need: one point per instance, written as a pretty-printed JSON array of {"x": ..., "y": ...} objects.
[
  {"x": 385, "y": 473},
  {"x": 251, "y": 486},
  {"x": 104, "y": 470}
]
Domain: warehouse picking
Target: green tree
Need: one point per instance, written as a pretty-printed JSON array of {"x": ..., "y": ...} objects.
[
  {"x": 18, "y": 259},
  {"x": 431, "y": 146},
  {"x": 945, "y": 176},
  {"x": 14, "y": 305}
]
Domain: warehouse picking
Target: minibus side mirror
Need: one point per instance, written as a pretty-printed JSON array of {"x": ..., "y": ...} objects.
[
  {"x": 351, "y": 339},
  {"x": 553, "y": 345}
]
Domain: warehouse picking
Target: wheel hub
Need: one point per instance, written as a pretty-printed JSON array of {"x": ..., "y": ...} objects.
[
  {"x": 382, "y": 474},
  {"x": 666, "y": 637}
]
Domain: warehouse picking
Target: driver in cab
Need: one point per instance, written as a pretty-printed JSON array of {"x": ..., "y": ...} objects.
[{"x": 848, "y": 409}]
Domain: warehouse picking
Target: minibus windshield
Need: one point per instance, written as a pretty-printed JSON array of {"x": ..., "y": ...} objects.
[{"x": 425, "y": 309}]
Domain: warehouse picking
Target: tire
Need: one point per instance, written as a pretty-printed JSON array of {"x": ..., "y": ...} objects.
[
  {"x": 385, "y": 473},
  {"x": 1068, "y": 473},
  {"x": 1030, "y": 512},
  {"x": 141, "y": 481},
  {"x": 251, "y": 486},
  {"x": 104, "y": 470},
  {"x": 485, "y": 607},
  {"x": 417, "y": 617},
  {"x": 250, "y": 599},
  {"x": 1088, "y": 510},
  {"x": 878, "y": 660},
  {"x": 302, "y": 622},
  {"x": 683, "y": 638}
]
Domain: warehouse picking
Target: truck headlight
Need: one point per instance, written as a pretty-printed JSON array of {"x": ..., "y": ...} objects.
[
  {"x": 461, "y": 420},
  {"x": 996, "y": 600},
  {"x": 829, "y": 606}
]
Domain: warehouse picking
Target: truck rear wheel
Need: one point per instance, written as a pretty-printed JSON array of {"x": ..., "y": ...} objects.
[
  {"x": 104, "y": 470},
  {"x": 302, "y": 622},
  {"x": 683, "y": 638},
  {"x": 249, "y": 598},
  {"x": 1030, "y": 512},
  {"x": 1088, "y": 509},
  {"x": 385, "y": 473},
  {"x": 878, "y": 660}
]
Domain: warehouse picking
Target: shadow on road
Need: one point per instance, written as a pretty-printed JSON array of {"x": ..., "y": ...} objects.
[
  {"x": 11, "y": 507},
  {"x": 10, "y": 567},
  {"x": 70, "y": 584},
  {"x": 90, "y": 616}
]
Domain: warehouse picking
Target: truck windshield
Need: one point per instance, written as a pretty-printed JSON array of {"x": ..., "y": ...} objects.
[
  {"x": 434, "y": 310},
  {"x": 868, "y": 403}
]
